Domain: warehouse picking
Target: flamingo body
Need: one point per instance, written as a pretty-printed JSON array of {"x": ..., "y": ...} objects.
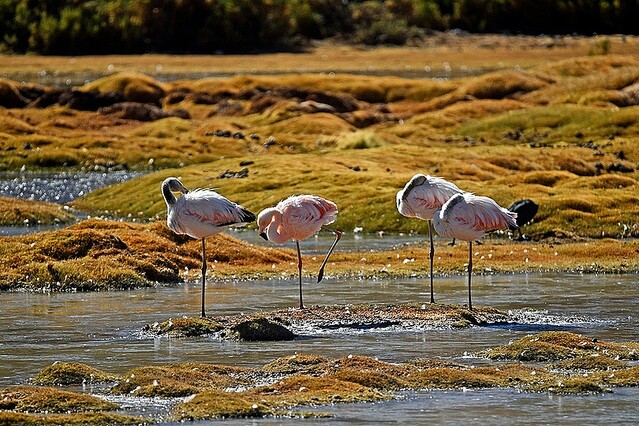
[
  {"x": 202, "y": 213},
  {"x": 469, "y": 217},
  {"x": 297, "y": 218},
  {"x": 421, "y": 197},
  {"x": 199, "y": 214}
]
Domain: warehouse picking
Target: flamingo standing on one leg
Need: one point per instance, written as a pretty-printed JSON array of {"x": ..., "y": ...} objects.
[
  {"x": 200, "y": 213},
  {"x": 421, "y": 198},
  {"x": 297, "y": 218},
  {"x": 469, "y": 217}
]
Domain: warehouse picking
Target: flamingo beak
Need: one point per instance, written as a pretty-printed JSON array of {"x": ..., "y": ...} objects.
[{"x": 263, "y": 235}]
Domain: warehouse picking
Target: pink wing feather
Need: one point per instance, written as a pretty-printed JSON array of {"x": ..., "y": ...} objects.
[{"x": 304, "y": 215}]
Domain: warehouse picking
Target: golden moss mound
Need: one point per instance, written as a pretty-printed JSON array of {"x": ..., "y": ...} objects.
[
  {"x": 71, "y": 373},
  {"x": 213, "y": 391},
  {"x": 135, "y": 87},
  {"x": 15, "y": 211},
  {"x": 80, "y": 419},
  {"x": 35, "y": 399},
  {"x": 182, "y": 379},
  {"x": 96, "y": 254},
  {"x": 558, "y": 345}
]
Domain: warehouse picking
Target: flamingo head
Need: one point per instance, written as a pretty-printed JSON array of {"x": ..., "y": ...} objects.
[
  {"x": 175, "y": 185},
  {"x": 264, "y": 220}
]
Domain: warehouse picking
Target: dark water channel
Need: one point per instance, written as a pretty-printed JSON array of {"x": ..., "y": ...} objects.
[{"x": 103, "y": 330}]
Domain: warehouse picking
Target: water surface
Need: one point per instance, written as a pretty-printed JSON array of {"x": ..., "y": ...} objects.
[{"x": 103, "y": 330}]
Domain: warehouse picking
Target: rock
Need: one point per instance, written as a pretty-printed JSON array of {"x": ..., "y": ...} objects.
[
  {"x": 260, "y": 330},
  {"x": 229, "y": 174}
]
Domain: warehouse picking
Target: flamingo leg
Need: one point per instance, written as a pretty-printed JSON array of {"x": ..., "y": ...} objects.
[
  {"x": 470, "y": 273},
  {"x": 320, "y": 275},
  {"x": 203, "y": 274},
  {"x": 299, "y": 268},
  {"x": 432, "y": 257}
]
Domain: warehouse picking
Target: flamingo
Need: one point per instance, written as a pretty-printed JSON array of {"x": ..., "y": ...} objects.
[
  {"x": 421, "y": 197},
  {"x": 199, "y": 214},
  {"x": 297, "y": 218},
  {"x": 469, "y": 217}
]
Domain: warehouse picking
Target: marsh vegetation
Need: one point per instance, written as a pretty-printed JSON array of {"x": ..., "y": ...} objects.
[{"x": 554, "y": 123}]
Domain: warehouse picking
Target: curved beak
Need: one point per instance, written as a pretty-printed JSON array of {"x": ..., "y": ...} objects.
[{"x": 263, "y": 235}]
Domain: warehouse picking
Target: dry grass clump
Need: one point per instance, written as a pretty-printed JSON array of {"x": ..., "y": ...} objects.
[
  {"x": 37, "y": 399},
  {"x": 583, "y": 66},
  {"x": 359, "y": 140},
  {"x": 558, "y": 345},
  {"x": 501, "y": 84},
  {"x": 96, "y": 254},
  {"x": 71, "y": 373},
  {"x": 14, "y": 126},
  {"x": 134, "y": 86},
  {"x": 80, "y": 419},
  {"x": 26, "y": 212},
  {"x": 183, "y": 379}
]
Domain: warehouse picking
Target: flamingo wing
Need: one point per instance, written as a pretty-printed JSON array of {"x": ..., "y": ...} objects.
[
  {"x": 424, "y": 195},
  {"x": 304, "y": 215},
  {"x": 210, "y": 207},
  {"x": 202, "y": 213},
  {"x": 483, "y": 214}
]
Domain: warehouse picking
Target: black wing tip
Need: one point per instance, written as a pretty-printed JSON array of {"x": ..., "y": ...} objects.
[{"x": 247, "y": 216}]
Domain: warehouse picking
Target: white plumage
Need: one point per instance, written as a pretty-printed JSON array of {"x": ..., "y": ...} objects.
[
  {"x": 202, "y": 213},
  {"x": 421, "y": 197},
  {"x": 469, "y": 217},
  {"x": 199, "y": 214}
]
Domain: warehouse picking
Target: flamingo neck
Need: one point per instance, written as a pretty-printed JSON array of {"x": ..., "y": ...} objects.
[
  {"x": 274, "y": 230},
  {"x": 169, "y": 198}
]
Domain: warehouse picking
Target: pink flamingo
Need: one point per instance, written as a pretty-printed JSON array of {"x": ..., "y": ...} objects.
[
  {"x": 469, "y": 217},
  {"x": 200, "y": 213},
  {"x": 421, "y": 198},
  {"x": 297, "y": 218}
]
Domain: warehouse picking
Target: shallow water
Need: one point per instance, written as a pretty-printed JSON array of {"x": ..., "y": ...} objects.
[
  {"x": 58, "y": 187},
  {"x": 103, "y": 330},
  {"x": 76, "y": 78}
]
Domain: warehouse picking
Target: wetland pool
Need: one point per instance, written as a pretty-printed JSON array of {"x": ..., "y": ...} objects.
[{"x": 103, "y": 329}]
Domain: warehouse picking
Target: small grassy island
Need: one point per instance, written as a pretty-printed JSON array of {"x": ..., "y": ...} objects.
[{"x": 554, "y": 362}]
